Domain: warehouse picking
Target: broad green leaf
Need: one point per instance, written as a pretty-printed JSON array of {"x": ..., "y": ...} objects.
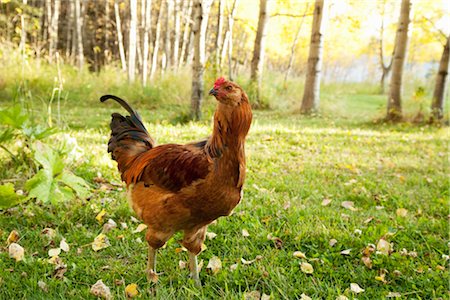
[
  {"x": 37, "y": 132},
  {"x": 48, "y": 159},
  {"x": 13, "y": 116},
  {"x": 6, "y": 135},
  {"x": 8, "y": 196},
  {"x": 74, "y": 182},
  {"x": 40, "y": 186}
]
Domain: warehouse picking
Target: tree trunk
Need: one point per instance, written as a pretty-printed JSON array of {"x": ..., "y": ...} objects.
[
  {"x": 228, "y": 42},
  {"x": 148, "y": 23},
  {"x": 23, "y": 32},
  {"x": 385, "y": 69},
  {"x": 79, "y": 23},
  {"x": 176, "y": 40},
  {"x": 157, "y": 37},
  {"x": 258, "y": 49},
  {"x": 132, "y": 41},
  {"x": 437, "y": 105},
  {"x": 311, "y": 94},
  {"x": 120, "y": 36},
  {"x": 106, "y": 51},
  {"x": 48, "y": 15},
  {"x": 218, "y": 42},
  {"x": 394, "y": 106},
  {"x": 167, "y": 62},
  {"x": 53, "y": 30},
  {"x": 201, "y": 9},
  {"x": 294, "y": 44},
  {"x": 186, "y": 33}
]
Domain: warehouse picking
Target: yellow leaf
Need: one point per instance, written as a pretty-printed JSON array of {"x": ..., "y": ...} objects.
[
  {"x": 299, "y": 254},
  {"x": 381, "y": 278},
  {"x": 13, "y": 237},
  {"x": 306, "y": 268},
  {"x": 305, "y": 297},
  {"x": 54, "y": 252},
  {"x": 401, "y": 212},
  {"x": 349, "y": 205},
  {"x": 245, "y": 233},
  {"x": 355, "y": 288},
  {"x": 384, "y": 247},
  {"x": 140, "y": 228},
  {"x": 215, "y": 264},
  {"x": 100, "y": 216},
  {"x": 131, "y": 290},
  {"x": 16, "y": 251},
  {"x": 100, "y": 242}
]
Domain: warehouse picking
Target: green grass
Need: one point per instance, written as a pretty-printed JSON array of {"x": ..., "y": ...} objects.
[{"x": 294, "y": 163}]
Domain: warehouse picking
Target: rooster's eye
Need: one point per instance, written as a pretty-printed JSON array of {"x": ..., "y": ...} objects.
[{"x": 229, "y": 88}]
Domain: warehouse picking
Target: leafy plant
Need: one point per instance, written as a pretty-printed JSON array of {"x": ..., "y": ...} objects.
[
  {"x": 8, "y": 197},
  {"x": 53, "y": 182}
]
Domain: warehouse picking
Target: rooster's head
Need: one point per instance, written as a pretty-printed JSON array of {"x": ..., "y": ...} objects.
[{"x": 227, "y": 92}]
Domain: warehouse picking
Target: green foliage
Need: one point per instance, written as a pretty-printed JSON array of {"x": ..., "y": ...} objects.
[
  {"x": 52, "y": 183},
  {"x": 8, "y": 197}
]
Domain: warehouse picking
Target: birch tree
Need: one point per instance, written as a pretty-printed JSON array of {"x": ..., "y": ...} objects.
[
  {"x": 186, "y": 33},
  {"x": 132, "y": 41},
  {"x": 258, "y": 48},
  {"x": 166, "y": 61},
  {"x": 157, "y": 37},
  {"x": 201, "y": 12},
  {"x": 78, "y": 24},
  {"x": 120, "y": 36},
  {"x": 218, "y": 41},
  {"x": 176, "y": 39},
  {"x": 437, "y": 105},
  {"x": 311, "y": 94},
  {"x": 394, "y": 106},
  {"x": 385, "y": 68},
  {"x": 227, "y": 50},
  {"x": 148, "y": 23},
  {"x": 53, "y": 29}
]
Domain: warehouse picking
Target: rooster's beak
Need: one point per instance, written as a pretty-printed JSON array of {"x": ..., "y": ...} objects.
[{"x": 213, "y": 92}]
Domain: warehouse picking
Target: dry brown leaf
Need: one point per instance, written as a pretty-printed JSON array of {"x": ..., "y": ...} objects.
[
  {"x": 100, "y": 242},
  {"x": 108, "y": 226},
  {"x": 60, "y": 269},
  {"x": 210, "y": 235},
  {"x": 299, "y": 254},
  {"x": 341, "y": 297},
  {"x": 306, "y": 268},
  {"x": 367, "y": 261},
  {"x": 99, "y": 289},
  {"x": 182, "y": 264},
  {"x": 253, "y": 295},
  {"x": 384, "y": 247},
  {"x": 332, "y": 242},
  {"x": 55, "y": 260},
  {"x": 100, "y": 216},
  {"x": 265, "y": 297},
  {"x": 119, "y": 281},
  {"x": 245, "y": 233},
  {"x": 326, "y": 202},
  {"x": 140, "y": 228},
  {"x": 401, "y": 212},
  {"x": 179, "y": 250},
  {"x": 303, "y": 296},
  {"x": 152, "y": 276},
  {"x": 133, "y": 219},
  {"x": 349, "y": 205},
  {"x": 355, "y": 288},
  {"x": 368, "y": 220},
  {"x": 233, "y": 267},
  {"x": 12, "y": 237},
  {"x": 346, "y": 252},
  {"x": 43, "y": 286},
  {"x": 49, "y": 233},
  {"x": 214, "y": 264},
  {"x": 54, "y": 252},
  {"x": 124, "y": 225},
  {"x": 393, "y": 295},
  {"x": 16, "y": 251},
  {"x": 64, "y": 246},
  {"x": 440, "y": 268},
  {"x": 131, "y": 290}
]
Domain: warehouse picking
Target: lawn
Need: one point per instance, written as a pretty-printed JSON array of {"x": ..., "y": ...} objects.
[{"x": 364, "y": 203}]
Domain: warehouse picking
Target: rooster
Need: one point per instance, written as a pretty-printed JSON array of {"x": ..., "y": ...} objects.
[{"x": 175, "y": 187}]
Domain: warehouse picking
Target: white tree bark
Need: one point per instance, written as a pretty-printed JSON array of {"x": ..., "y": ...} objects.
[
  {"x": 53, "y": 30},
  {"x": 176, "y": 40},
  {"x": 120, "y": 36},
  {"x": 132, "y": 41},
  {"x": 167, "y": 61},
  {"x": 148, "y": 23},
  {"x": 186, "y": 33},
  {"x": 394, "y": 107},
  {"x": 157, "y": 37},
  {"x": 218, "y": 41},
  {"x": 258, "y": 48},
  {"x": 228, "y": 41},
  {"x": 23, "y": 31},
  {"x": 201, "y": 9},
  {"x": 79, "y": 23},
  {"x": 311, "y": 94},
  {"x": 437, "y": 106}
]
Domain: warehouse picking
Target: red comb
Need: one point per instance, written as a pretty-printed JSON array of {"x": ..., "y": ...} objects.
[{"x": 219, "y": 82}]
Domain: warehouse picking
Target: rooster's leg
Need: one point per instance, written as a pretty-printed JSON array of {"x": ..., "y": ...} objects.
[
  {"x": 193, "y": 266},
  {"x": 151, "y": 265}
]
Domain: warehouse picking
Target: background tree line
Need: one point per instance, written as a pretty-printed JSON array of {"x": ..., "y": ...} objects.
[{"x": 147, "y": 38}]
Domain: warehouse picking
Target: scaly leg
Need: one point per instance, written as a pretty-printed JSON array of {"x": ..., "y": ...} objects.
[
  {"x": 193, "y": 266},
  {"x": 151, "y": 265}
]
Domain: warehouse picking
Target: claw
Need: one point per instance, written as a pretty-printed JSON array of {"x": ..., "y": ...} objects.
[{"x": 152, "y": 276}]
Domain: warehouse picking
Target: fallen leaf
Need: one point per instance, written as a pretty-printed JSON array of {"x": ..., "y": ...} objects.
[
  {"x": 54, "y": 252},
  {"x": 326, "y": 202},
  {"x": 440, "y": 268},
  {"x": 131, "y": 290},
  {"x": 383, "y": 247},
  {"x": 253, "y": 295},
  {"x": 287, "y": 205},
  {"x": 332, "y": 242},
  {"x": 49, "y": 233},
  {"x": 182, "y": 264},
  {"x": 179, "y": 250},
  {"x": 233, "y": 267},
  {"x": 379, "y": 207},
  {"x": 12, "y": 237},
  {"x": 368, "y": 220},
  {"x": 367, "y": 261},
  {"x": 215, "y": 264},
  {"x": 346, "y": 252},
  {"x": 138, "y": 240},
  {"x": 210, "y": 235},
  {"x": 55, "y": 260},
  {"x": 357, "y": 231},
  {"x": 108, "y": 226},
  {"x": 140, "y": 228},
  {"x": 299, "y": 254},
  {"x": 397, "y": 273},
  {"x": 381, "y": 278},
  {"x": 341, "y": 297},
  {"x": 305, "y": 297},
  {"x": 100, "y": 216},
  {"x": 401, "y": 212},
  {"x": 393, "y": 295},
  {"x": 153, "y": 276},
  {"x": 245, "y": 233},
  {"x": 100, "y": 242},
  {"x": 349, "y": 205},
  {"x": 265, "y": 297},
  {"x": 355, "y": 288},
  {"x": 16, "y": 251},
  {"x": 306, "y": 268},
  {"x": 99, "y": 289},
  {"x": 368, "y": 250},
  {"x": 124, "y": 225},
  {"x": 43, "y": 286},
  {"x": 119, "y": 281},
  {"x": 60, "y": 269},
  {"x": 133, "y": 219},
  {"x": 64, "y": 246}
]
